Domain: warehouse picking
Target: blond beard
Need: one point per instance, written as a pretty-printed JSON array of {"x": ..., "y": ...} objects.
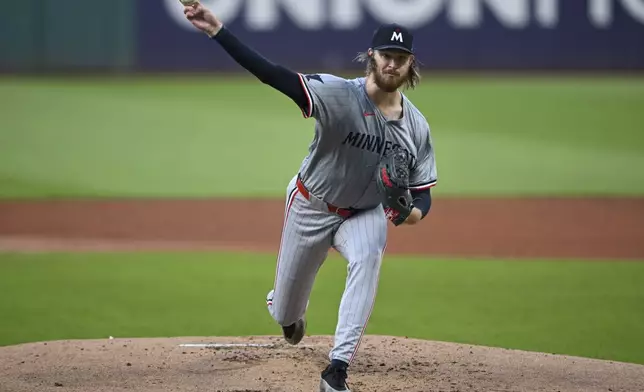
[{"x": 386, "y": 83}]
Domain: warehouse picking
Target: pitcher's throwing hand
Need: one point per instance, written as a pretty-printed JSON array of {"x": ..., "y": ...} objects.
[{"x": 202, "y": 18}]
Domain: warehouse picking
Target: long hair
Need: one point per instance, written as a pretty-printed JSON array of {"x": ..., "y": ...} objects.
[{"x": 413, "y": 76}]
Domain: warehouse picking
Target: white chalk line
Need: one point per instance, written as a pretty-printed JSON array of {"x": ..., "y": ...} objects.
[{"x": 226, "y": 345}]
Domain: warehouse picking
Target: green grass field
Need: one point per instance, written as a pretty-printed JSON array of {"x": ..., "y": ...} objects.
[
  {"x": 580, "y": 308},
  {"x": 222, "y": 136}
]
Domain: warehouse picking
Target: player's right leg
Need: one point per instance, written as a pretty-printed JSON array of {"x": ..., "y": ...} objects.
[
  {"x": 361, "y": 240},
  {"x": 305, "y": 242}
]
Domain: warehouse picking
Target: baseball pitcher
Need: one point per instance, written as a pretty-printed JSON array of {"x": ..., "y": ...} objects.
[{"x": 371, "y": 161}]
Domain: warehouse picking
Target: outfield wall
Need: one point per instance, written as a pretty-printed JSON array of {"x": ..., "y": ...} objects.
[{"x": 151, "y": 35}]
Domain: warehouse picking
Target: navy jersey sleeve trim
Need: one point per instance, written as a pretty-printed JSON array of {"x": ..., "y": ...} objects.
[
  {"x": 422, "y": 200},
  {"x": 288, "y": 82}
]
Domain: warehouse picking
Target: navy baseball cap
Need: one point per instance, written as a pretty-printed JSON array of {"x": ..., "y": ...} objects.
[{"x": 393, "y": 36}]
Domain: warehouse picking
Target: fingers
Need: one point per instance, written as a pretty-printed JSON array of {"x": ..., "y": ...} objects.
[
  {"x": 191, "y": 11},
  {"x": 194, "y": 6}
]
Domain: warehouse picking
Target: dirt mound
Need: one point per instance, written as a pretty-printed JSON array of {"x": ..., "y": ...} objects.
[{"x": 268, "y": 364}]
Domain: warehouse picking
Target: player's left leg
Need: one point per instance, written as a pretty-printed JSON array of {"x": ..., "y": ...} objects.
[
  {"x": 361, "y": 240},
  {"x": 305, "y": 242}
]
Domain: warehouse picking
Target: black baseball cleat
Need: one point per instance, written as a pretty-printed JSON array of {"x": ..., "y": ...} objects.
[
  {"x": 294, "y": 333},
  {"x": 334, "y": 379}
]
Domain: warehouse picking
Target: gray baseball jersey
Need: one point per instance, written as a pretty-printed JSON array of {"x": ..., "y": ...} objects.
[{"x": 351, "y": 135}]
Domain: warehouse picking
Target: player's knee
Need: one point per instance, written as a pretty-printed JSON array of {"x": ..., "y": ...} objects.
[
  {"x": 285, "y": 319},
  {"x": 367, "y": 263},
  {"x": 283, "y": 316},
  {"x": 373, "y": 257}
]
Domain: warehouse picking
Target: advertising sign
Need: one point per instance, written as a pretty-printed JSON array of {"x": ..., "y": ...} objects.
[{"x": 449, "y": 34}]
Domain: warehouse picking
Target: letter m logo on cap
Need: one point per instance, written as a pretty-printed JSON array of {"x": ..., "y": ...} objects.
[{"x": 397, "y": 36}]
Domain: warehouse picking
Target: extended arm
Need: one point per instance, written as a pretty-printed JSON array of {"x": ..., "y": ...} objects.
[{"x": 276, "y": 76}]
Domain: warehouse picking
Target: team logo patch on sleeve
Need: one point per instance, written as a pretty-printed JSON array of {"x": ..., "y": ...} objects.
[{"x": 314, "y": 77}]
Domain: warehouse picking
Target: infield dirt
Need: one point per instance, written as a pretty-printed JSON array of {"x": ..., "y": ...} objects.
[{"x": 495, "y": 228}]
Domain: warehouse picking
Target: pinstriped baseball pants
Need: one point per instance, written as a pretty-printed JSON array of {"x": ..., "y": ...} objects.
[{"x": 308, "y": 234}]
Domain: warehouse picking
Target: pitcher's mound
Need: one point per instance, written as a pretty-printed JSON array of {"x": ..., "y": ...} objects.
[{"x": 268, "y": 364}]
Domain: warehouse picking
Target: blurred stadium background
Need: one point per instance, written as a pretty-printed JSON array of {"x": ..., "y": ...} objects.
[{"x": 123, "y": 98}]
